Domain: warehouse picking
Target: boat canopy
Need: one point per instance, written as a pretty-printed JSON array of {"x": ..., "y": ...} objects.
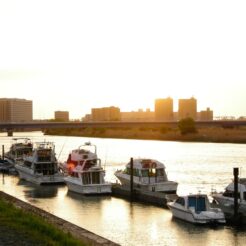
[{"x": 146, "y": 164}]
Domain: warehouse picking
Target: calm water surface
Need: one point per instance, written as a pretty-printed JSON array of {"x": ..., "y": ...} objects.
[{"x": 196, "y": 167}]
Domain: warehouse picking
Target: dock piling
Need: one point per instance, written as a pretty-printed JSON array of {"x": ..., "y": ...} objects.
[
  {"x": 131, "y": 177},
  {"x": 2, "y": 152},
  {"x": 235, "y": 173}
]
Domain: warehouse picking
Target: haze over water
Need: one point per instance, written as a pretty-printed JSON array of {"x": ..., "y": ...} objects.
[{"x": 196, "y": 167}]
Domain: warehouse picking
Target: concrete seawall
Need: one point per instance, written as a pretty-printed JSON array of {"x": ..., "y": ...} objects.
[{"x": 84, "y": 235}]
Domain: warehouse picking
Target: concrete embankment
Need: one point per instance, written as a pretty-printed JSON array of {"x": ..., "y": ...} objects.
[{"x": 85, "y": 236}]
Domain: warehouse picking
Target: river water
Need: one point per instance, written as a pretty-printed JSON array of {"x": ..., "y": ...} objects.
[{"x": 195, "y": 166}]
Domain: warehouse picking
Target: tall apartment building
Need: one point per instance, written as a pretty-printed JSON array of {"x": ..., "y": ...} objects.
[
  {"x": 15, "y": 110},
  {"x": 62, "y": 115},
  {"x": 187, "y": 108},
  {"x": 105, "y": 114},
  {"x": 164, "y": 109}
]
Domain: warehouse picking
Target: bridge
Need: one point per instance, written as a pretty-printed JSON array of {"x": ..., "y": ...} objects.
[{"x": 11, "y": 127}]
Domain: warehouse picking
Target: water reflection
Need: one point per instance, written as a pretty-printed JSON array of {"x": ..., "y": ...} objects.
[{"x": 196, "y": 166}]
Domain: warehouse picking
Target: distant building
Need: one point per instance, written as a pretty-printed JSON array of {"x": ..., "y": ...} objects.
[
  {"x": 164, "y": 109},
  {"x": 15, "y": 110},
  {"x": 206, "y": 115},
  {"x": 62, "y": 115},
  {"x": 187, "y": 108},
  {"x": 87, "y": 118},
  {"x": 139, "y": 115},
  {"x": 105, "y": 114}
]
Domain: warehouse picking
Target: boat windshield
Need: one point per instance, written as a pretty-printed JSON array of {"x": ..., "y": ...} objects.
[
  {"x": 91, "y": 178},
  {"x": 198, "y": 202},
  {"x": 45, "y": 168}
]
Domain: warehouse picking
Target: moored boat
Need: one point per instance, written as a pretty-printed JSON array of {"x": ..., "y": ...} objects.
[
  {"x": 41, "y": 165},
  {"x": 87, "y": 177},
  {"x": 6, "y": 166},
  {"x": 148, "y": 175},
  {"x": 19, "y": 148},
  {"x": 196, "y": 209},
  {"x": 225, "y": 200}
]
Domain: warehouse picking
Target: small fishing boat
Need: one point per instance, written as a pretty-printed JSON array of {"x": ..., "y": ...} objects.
[
  {"x": 225, "y": 200},
  {"x": 196, "y": 209},
  {"x": 41, "y": 165},
  {"x": 87, "y": 177},
  {"x": 148, "y": 175}
]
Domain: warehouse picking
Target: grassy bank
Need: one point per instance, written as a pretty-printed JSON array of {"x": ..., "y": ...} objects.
[
  {"x": 206, "y": 134},
  {"x": 20, "y": 226}
]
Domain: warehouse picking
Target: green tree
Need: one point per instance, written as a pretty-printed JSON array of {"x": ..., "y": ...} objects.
[{"x": 187, "y": 125}]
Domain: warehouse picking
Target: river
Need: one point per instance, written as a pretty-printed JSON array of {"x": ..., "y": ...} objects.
[{"x": 195, "y": 166}]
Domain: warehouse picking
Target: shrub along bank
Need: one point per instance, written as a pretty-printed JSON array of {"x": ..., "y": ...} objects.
[{"x": 185, "y": 132}]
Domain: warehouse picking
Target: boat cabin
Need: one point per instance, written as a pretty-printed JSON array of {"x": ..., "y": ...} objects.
[
  {"x": 90, "y": 172},
  {"x": 198, "y": 203},
  {"x": 229, "y": 191},
  {"x": 43, "y": 160},
  {"x": 150, "y": 171},
  {"x": 20, "y": 147}
]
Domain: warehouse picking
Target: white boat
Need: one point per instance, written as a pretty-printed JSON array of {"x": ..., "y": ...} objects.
[
  {"x": 87, "y": 177},
  {"x": 6, "y": 166},
  {"x": 196, "y": 209},
  {"x": 148, "y": 175},
  {"x": 40, "y": 166},
  {"x": 18, "y": 149},
  {"x": 225, "y": 199},
  {"x": 87, "y": 151}
]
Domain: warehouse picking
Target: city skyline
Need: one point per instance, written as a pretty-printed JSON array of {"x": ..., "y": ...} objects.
[{"x": 123, "y": 54}]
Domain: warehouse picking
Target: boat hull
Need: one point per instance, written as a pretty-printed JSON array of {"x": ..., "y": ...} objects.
[
  {"x": 201, "y": 218},
  {"x": 28, "y": 175},
  {"x": 73, "y": 185}
]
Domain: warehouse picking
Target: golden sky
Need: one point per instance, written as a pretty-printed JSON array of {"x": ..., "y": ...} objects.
[{"x": 75, "y": 55}]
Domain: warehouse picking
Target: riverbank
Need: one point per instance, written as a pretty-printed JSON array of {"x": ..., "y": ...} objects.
[
  {"x": 24, "y": 224},
  {"x": 204, "y": 134}
]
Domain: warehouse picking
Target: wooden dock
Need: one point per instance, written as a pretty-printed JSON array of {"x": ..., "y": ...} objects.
[{"x": 155, "y": 198}]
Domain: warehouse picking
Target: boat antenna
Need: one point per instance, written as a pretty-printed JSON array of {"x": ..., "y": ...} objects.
[
  {"x": 62, "y": 148},
  {"x": 106, "y": 157}
]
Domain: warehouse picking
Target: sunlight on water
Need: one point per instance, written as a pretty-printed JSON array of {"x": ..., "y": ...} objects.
[{"x": 195, "y": 166}]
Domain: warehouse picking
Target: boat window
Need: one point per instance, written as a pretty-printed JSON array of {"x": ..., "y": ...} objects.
[
  {"x": 145, "y": 173},
  {"x": 74, "y": 174},
  {"x": 180, "y": 201},
  {"x": 160, "y": 172},
  {"x": 86, "y": 178},
  {"x": 95, "y": 177},
  {"x": 135, "y": 172},
  {"x": 152, "y": 172},
  {"x": 45, "y": 168},
  {"x": 198, "y": 202},
  {"x": 229, "y": 193},
  {"x": 27, "y": 163}
]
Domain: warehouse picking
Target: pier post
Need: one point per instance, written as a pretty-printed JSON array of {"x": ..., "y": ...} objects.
[
  {"x": 131, "y": 177},
  {"x": 2, "y": 152},
  {"x": 235, "y": 173},
  {"x": 10, "y": 133}
]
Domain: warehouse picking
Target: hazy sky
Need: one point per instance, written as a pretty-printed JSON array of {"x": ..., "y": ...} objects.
[{"x": 75, "y": 55}]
